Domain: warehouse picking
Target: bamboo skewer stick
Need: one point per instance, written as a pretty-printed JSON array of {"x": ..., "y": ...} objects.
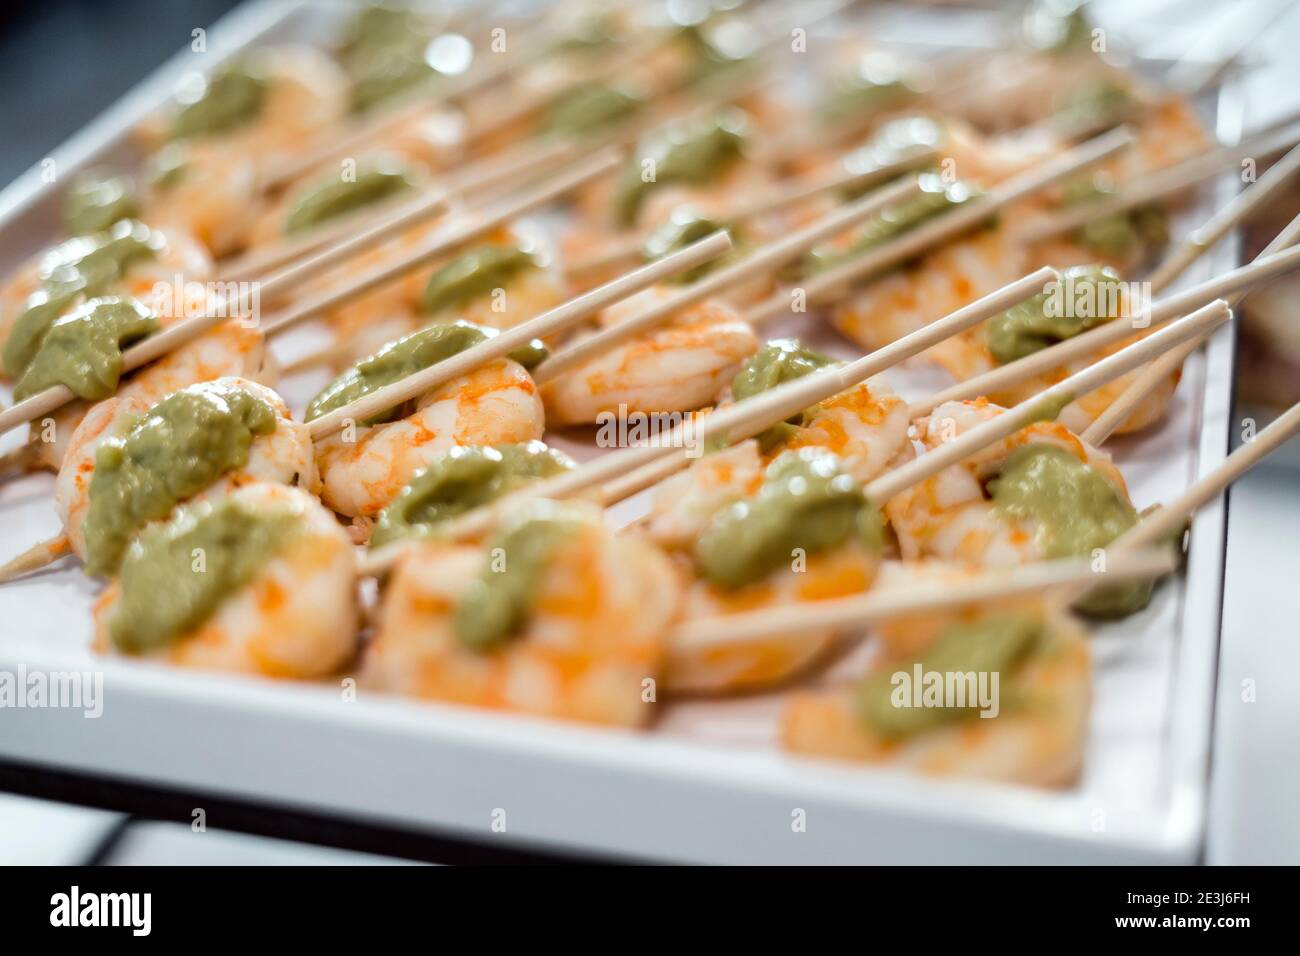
[
  {"x": 734, "y": 422},
  {"x": 441, "y": 243},
  {"x": 760, "y": 261},
  {"x": 361, "y": 134},
  {"x": 1158, "y": 371},
  {"x": 1048, "y": 403},
  {"x": 929, "y": 234},
  {"x": 1242, "y": 206},
  {"x": 841, "y": 614},
  {"x": 36, "y": 557},
  {"x": 782, "y": 197},
  {"x": 1087, "y": 343},
  {"x": 548, "y": 323},
  {"x": 405, "y": 212},
  {"x": 1160, "y": 184}
]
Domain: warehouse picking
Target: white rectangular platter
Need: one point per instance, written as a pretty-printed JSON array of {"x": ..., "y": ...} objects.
[{"x": 708, "y": 783}]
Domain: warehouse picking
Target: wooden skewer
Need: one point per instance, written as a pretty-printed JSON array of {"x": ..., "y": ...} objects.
[
  {"x": 405, "y": 212},
  {"x": 361, "y": 134},
  {"x": 734, "y": 422},
  {"x": 35, "y": 558},
  {"x": 841, "y": 614},
  {"x": 1160, "y": 184},
  {"x": 548, "y": 323},
  {"x": 1094, "y": 340},
  {"x": 1242, "y": 206},
  {"x": 835, "y": 281},
  {"x": 757, "y": 263},
  {"x": 1158, "y": 372},
  {"x": 440, "y": 243},
  {"x": 1048, "y": 403},
  {"x": 782, "y": 197}
]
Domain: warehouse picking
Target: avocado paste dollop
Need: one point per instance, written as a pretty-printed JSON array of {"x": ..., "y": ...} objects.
[
  {"x": 807, "y": 501},
  {"x": 164, "y": 595},
  {"x": 1119, "y": 234},
  {"x": 176, "y": 450},
  {"x": 475, "y": 274},
  {"x": 1086, "y": 297},
  {"x": 1074, "y": 510},
  {"x": 78, "y": 268},
  {"x": 333, "y": 197},
  {"x": 497, "y": 604},
  {"x": 875, "y": 86},
  {"x": 83, "y": 349},
  {"x": 779, "y": 361},
  {"x": 994, "y": 644},
  {"x": 96, "y": 200},
  {"x": 936, "y": 196},
  {"x": 222, "y": 102},
  {"x": 405, "y": 356},
  {"x": 695, "y": 152},
  {"x": 462, "y": 479},
  {"x": 591, "y": 109},
  {"x": 685, "y": 227}
]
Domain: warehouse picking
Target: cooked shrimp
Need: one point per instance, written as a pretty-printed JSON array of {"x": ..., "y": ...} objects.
[
  {"x": 841, "y": 572},
  {"x": 593, "y": 638},
  {"x": 948, "y": 516},
  {"x": 1037, "y": 737},
  {"x": 678, "y": 366},
  {"x": 207, "y": 191},
  {"x": 304, "y": 93},
  {"x": 362, "y": 472},
  {"x": 231, "y": 350},
  {"x": 297, "y": 618},
  {"x": 151, "y": 279},
  {"x": 283, "y": 456}
]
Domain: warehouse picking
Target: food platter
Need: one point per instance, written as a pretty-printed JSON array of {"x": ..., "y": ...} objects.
[{"x": 708, "y": 782}]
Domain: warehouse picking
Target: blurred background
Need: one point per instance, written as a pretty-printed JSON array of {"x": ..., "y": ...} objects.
[{"x": 62, "y": 62}]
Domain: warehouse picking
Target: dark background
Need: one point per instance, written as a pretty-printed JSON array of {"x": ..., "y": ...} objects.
[{"x": 62, "y": 62}]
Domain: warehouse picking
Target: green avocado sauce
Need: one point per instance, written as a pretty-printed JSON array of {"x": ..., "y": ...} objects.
[
  {"x": 460, "y": 480},
  {"x": 83, "y": 349},
  {"x": 226, "y": 100},
  {"x": 386, "y": 74},
  {"x": 994, "y": 644},
  {"x": 176, "y": 450},
  {"x": 1094, "y": 105},
  {"x": 475, "y": 274},
  {"x": 695, "y": 152},
  {"x": 96, "y": 200},
  {"x": 777, "y": 362},
  {"x": 166, "y": 168},
  {"x": 383, "y": 52},
  {"x": 379, "y": 26},
  {"x": 807, "y": 501},
  {"x": 78, "y": 268},
  {"x": 1119, "y": 234},
  {"x": 1086, "y": 297},
  {"x": 685, "y": 227},
  {"x": 497, "y": 604},
  {"x": 936, "y": 197},
  {"x": 709, "y": 59},
  {"x": 167, "y": 590},
  {"x": 591, "y": 109},
  {"x": 332, "y": 197},
  {"x": 876, "y": 86},
  {"x": 406, "y": 356},
  {"x": 1074, "y": 511}
]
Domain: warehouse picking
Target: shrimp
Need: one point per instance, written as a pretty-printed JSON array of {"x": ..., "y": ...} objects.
[
  {"x": 594, "y": 634},
  {"x": 297, "y": 618},
  {"x": 948, "y": 516},
  {"x": 397, "y": 308},
  {"x": 304, "y": 93},
  {"x": 841, "y": 572},
  {"x": 678, "y": 366},
  {"x": 156, "y": 280},
  {"x": 362, "y": 472},
  {"x": 231, "y": 350},
  {"x": 205, "y": 190},
  {"x": 1036, "y": 738},
  {"x": 284, "y": 455}
]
